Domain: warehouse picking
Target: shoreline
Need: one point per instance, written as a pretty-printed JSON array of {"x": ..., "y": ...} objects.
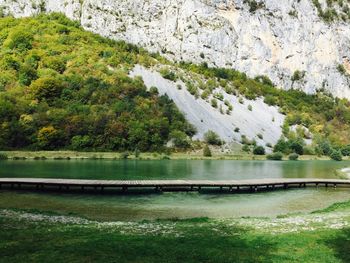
[{"x": 74, "y": 155}]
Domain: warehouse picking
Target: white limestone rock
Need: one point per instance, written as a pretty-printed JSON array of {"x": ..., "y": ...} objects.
[{"x": 271, "y": 41}]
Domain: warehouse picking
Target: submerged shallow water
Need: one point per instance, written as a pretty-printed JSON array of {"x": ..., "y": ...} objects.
[{"x": 174, "y": 205}]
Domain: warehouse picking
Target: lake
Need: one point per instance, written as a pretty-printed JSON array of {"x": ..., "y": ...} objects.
[{"x": 173, "y": 205}]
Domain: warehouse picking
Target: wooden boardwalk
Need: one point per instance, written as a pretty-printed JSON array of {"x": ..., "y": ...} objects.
[{"x": 253, "y": 185}]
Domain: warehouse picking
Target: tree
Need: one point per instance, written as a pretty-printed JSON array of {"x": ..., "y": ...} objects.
[
  {"x": 47, "y": 88},
  {"x": 336, "y": 155},
  {"x": 345, "y": 150},
  {"x": 81, "y": 142},
  {"x": 293, "y": 157},
  {"x": 206, "y": 151},
  {"x": 180, "y": 139},
  {"x": 19, "y": 39},
  {"x": 259, "y": 150},
  {"x": 212, "y": 138},
  {"x": 27, "y": 74},
  {"x": 281, "y": 146},
  {"x": 49, "y": 138},
  {"x": 296, "y": 146}
]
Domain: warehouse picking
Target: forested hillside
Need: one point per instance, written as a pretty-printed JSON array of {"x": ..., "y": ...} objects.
[{"x": 62, "y": 87}]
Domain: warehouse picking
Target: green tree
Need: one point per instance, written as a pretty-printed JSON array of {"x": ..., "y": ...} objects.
[
  {"x": 49, "y": 138},
  {"x": 259, "y": 150},
  {"x": 180, "y": 139},
  {"x": 19, "y": 39},
  {"x": 206, "y": 151},
  {"x": 336, "y": 155},
  {"x": 47, "y": 88},
  {"x": 212, "y": 138},
  {"x": 293, "y": 157}
]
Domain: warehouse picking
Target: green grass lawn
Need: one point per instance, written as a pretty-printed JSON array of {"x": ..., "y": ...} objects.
[{"x": 35, "y": 237}]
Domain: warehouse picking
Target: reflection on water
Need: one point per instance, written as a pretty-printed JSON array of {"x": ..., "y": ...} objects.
[{"x": 171, "y": 169}]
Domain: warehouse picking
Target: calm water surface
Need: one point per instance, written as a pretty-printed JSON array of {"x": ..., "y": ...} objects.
[
  {"x": 170, "y": 169},
  {"x": 174, "y": 205}
]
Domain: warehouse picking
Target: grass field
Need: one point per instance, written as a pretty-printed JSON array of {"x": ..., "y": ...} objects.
[{"x": 38, "y": 236}]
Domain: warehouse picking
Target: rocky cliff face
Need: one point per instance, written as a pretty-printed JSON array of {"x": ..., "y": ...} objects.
[{"x": 283, "y": 39}]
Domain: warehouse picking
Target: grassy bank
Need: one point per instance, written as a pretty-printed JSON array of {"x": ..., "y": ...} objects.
[{"x": 194, "y": 155}]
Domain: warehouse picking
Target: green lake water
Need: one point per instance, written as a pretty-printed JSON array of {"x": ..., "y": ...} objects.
[{"x": 173, "y": 205}]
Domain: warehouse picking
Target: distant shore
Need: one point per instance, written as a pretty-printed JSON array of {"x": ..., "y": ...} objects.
[{"x": 67, "y": 155}]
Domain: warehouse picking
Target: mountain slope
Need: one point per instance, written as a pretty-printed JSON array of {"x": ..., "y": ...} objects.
[
  {"x": 297, "y": 44},
  {"x": 63, "y": 87}
]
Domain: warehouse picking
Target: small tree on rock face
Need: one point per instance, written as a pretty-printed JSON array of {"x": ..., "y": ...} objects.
[
  {"x": 206, "y": 151},
  {"x": 212, "y": 138}
]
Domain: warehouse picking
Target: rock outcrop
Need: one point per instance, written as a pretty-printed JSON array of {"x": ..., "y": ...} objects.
[{"x": 277, "y": 38}]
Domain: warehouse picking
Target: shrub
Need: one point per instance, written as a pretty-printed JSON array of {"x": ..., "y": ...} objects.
[
  {"x": 137, "y": 153},
  {"x": 214, "y": 103},
  {"x": 324, "y": 148},
  {"x": 47, "y": 88},
  {"x": 167, "y": 74},
  {"x": 206, "y": 151},
  {"x": 19, "y": 39},
  {"x": 293, "y": 157},
  {"x": 341, "y": 69},
  {"x": 298, "y": 75},
  {"x": 212, "y": 138},
  {"x": 345, "y": 151},
  {"x": 180, "y": 139},
  {"x": 81, "y": 142},
  {"x": 3, "y": 156},
  {"x": 259, "y": 150},
  {"x": 336, "y": 155},
  {"x": 246, "y": 148},
  {"x": 277, "y": 156},
  {"x": 124, "y": 155},
  {"x": 296, "y": 146}
]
